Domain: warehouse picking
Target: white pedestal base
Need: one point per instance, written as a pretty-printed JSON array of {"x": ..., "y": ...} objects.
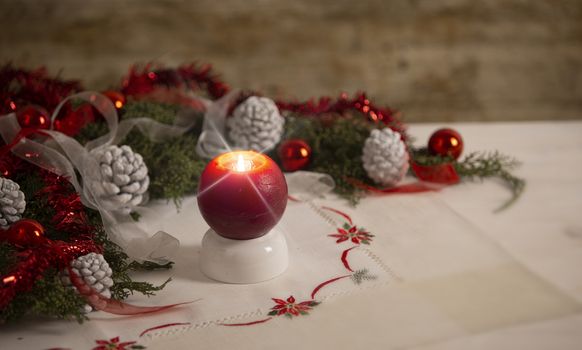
[{"x": 244, "y": 261}]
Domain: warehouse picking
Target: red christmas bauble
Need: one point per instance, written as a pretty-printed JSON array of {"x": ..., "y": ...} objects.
[
  {"x": 34, "y": 117},
  {"x": 295, "y": 154},
  {"x": 446, "y": 142},
  {"x": 25, "y": 232},
  {"x": 116, "y": 97}
]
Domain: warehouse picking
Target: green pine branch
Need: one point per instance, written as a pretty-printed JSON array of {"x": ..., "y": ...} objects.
[
  {"x": 492, "y": 165},
  {"x": 480, "y": 166}
]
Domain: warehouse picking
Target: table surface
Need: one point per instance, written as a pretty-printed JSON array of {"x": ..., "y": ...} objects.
[{"x": 541, "y": 233}]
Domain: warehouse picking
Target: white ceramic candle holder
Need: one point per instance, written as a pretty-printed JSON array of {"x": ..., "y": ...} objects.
[{"x": 244, "y": 261}]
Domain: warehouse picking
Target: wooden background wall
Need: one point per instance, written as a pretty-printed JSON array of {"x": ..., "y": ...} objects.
[{"x": 436, "y": 60}]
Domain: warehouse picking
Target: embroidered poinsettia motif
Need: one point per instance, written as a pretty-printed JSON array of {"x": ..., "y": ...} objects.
[
  {"x": 115, "y": 344},
  {"x": 290, "y": 308},
  {"x": 353, "y": 233}
]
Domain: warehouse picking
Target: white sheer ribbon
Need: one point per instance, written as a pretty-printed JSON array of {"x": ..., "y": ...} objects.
[
  {"x": 212, "y": 140},
  {"x": 65, "y": 156},
  {"x": 307, "y": 185}
]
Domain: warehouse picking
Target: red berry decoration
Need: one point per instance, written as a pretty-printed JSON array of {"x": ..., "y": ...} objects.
[
  {"x": 446, "y": 142},
  {"x": 295, "y": 154},
  {"x": 24, "y": 233},
  {"x": 33, "y": 117},
  {"x": 116, "y": 97}
]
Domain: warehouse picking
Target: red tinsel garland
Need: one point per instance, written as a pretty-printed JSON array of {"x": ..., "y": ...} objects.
[
  {"x": 70, "y": 217},
  {"x": 21, "y": 87},
  {"x": 192, "y": 76},
  {"x": 32, "y": 263},
  {"x": 344, "y": 104}
]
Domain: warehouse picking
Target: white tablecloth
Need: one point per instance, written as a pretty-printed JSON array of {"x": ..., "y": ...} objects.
[
  {"x": 542, "y": 232},
  {"x": 470, "y": 278}
]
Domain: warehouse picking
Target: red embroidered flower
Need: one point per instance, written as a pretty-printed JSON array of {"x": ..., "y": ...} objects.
[
  {"x": 289, "y": 308},
  {"x": 353, "y": 233},
  {"x": 114, "y": 344}
]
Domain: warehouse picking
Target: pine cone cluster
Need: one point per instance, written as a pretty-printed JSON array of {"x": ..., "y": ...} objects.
[
  {"x": 125, "y": 179},
  {"x": 12, "y": 202},
  {"x": 256, "y": 124},
  {"x": 385, "y": 157}
]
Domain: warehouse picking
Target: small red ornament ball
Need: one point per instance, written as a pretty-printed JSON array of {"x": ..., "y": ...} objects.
[
  {"x": 446, "y": 142},
  {"x": 295, "y": 154},
  {"x": 33, "y": 117},
  {"x": 25, "y": 232},
  {"x": 116, "y": 97}
]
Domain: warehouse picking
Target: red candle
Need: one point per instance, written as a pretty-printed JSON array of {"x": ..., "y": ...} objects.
[{"x": 242, "y": 194}]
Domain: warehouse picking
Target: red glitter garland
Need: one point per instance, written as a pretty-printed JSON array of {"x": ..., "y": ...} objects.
[
  {"x": 21, "y": 87},
  {"x": 191, "y": 76},
  {"x": 344, "y": 104},
  {"x": 32, "y": 263},
  {"x": 70, "y": 217},
  {"x": 36, "y": 88}
]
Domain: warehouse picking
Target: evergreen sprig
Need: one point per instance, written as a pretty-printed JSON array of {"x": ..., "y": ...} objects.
[
  {"x": 486, "y": 165},
  {"x": 480, "y": 166}
]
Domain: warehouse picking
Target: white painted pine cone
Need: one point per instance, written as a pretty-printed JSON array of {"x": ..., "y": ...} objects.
[
  {"x": 125, "y": 179},
  {"x": 385, "y": 157},
  {"x": 256, "y": 124},
  {"x": 12, "y": 202},
  {"x": 95, "y": 272}
]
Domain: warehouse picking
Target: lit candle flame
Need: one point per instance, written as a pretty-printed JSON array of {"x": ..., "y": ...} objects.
[
  {"x": 243, "y": 164},
  {"x": 240, "y": 163}
]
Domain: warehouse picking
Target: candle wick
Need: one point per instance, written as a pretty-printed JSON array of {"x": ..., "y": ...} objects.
[{"x": 240, "y": 163}]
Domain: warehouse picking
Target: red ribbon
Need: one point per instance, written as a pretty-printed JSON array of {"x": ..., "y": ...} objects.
[
  {"x": 433, "y": 178},
  {"x": 99, "y": 302},
  {"x": 442, "y": 174}
]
